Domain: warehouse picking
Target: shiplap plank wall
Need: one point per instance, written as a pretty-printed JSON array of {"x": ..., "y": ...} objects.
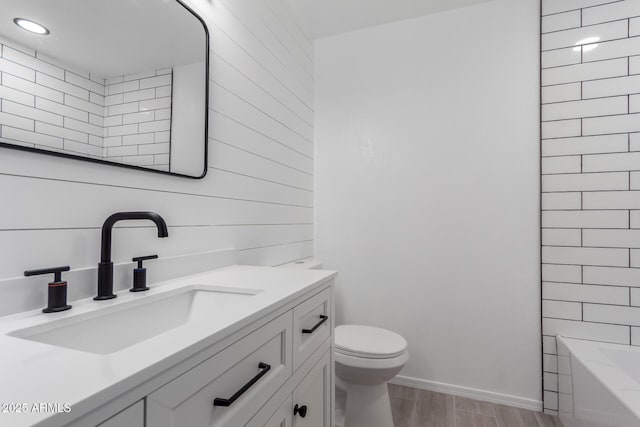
[
  {"x": 257, "y": 195},
  {"x": 590, "y": 159}
]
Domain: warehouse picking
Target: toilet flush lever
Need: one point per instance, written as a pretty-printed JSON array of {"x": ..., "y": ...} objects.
[{"x": 323, "y": 319}]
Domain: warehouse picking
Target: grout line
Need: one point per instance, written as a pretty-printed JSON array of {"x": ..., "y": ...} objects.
[
  {"x": 604, "y": 42},
  {"x": 573, "y": 10},
  {"x": 599, "y": 116},
  {"x": 617, "y": 172}
]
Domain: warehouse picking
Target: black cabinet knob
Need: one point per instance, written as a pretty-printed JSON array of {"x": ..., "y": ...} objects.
[{"x": 300, "y": 410}]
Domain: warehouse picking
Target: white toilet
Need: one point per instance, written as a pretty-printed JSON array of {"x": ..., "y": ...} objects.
[{"x": 366, "y": 358}]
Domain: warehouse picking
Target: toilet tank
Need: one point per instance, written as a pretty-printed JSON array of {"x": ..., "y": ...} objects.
[{"x": 309, "y": 263}]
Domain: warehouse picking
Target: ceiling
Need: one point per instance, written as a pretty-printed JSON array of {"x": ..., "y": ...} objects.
[
  {"x": 109, "y": 38},
  {"x": 322, "y": 18}
]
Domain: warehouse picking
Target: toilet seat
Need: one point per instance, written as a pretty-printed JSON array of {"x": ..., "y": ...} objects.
[
  {"x": 368, "y": 342},
  {"x": 373, "y": 364}
]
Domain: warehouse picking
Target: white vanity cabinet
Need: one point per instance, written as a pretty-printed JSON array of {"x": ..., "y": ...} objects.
[
  {"x": 238, "y": 346},
  {"x": 258, "y": 380},
  {"x": 133, "y": 416}
]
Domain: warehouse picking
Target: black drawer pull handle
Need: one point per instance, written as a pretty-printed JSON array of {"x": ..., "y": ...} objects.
[
  {"x": 228, "y": 402},
  {"x": 302, "y": 410},
  {"x": 323, "y": 319}
]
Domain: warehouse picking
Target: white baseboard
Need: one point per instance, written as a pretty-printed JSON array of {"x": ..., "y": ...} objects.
[{"x": 473, "y": 393}]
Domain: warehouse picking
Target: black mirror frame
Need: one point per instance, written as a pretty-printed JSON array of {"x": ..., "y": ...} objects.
[{"x": 122, "y": 165}]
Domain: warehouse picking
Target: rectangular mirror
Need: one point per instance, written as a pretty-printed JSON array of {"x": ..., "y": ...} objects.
[{"x": 122, "y": 82}]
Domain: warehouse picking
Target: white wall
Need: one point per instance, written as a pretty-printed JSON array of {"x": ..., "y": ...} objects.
[
  {"x": 257, "y": 196},
  {"x": 427, "y": 187}
]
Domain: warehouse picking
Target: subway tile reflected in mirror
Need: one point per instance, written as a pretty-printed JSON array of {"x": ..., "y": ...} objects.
[{"x": 118, "y": 82}]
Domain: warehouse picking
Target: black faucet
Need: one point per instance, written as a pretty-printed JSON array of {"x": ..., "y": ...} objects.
[{"x": 105, "y": 267}]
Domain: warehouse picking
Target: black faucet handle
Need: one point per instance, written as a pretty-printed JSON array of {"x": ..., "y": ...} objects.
[
  {"x": 57, "y": 271},
  {"x": 57, "y": 289},
  {"x": 140, "y": 274},
  {"x": 139, "y": 259}
]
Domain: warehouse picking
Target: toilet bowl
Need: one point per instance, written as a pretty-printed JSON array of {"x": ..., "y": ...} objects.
[{"x": 366, "y": 358}]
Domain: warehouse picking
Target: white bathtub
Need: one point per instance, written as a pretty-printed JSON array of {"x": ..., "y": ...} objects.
[{"x": 598, "y": 384}]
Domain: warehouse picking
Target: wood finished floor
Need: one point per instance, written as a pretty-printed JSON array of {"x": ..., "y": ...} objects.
[{"x": 420, "y": 408}]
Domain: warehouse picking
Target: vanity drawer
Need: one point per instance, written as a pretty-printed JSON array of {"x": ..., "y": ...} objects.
[
  {"x": 311, "y": 326},
  {"x": 246, "y": 375}
]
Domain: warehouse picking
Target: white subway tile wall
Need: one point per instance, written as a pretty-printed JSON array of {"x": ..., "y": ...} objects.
[
  {"x": 137, "y": 116},
  {"x": 40, "y": 104},
  {"x": 590, "y": 63},
  {"x": 45, "y": 105}
]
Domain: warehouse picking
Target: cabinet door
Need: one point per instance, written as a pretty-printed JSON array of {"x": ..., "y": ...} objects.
[
  {"x": 133, "y": 416},
  {"x": 283, "y": 416},
  {"x": 245, "y": 374},
  {"x": 314, "y": 394}
]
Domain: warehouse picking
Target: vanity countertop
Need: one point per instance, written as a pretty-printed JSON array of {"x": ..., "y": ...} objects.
[{"x": 34, "y": 373}]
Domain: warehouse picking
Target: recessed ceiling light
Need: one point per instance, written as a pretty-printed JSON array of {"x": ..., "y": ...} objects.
[{"x": 32, "y": 27}]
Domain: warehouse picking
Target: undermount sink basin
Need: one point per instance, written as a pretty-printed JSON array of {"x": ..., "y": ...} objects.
[{"x": 110, "y": 329}]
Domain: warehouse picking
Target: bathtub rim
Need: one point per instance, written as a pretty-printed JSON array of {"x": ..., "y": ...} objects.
[{"x": 625, "y": 388}]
